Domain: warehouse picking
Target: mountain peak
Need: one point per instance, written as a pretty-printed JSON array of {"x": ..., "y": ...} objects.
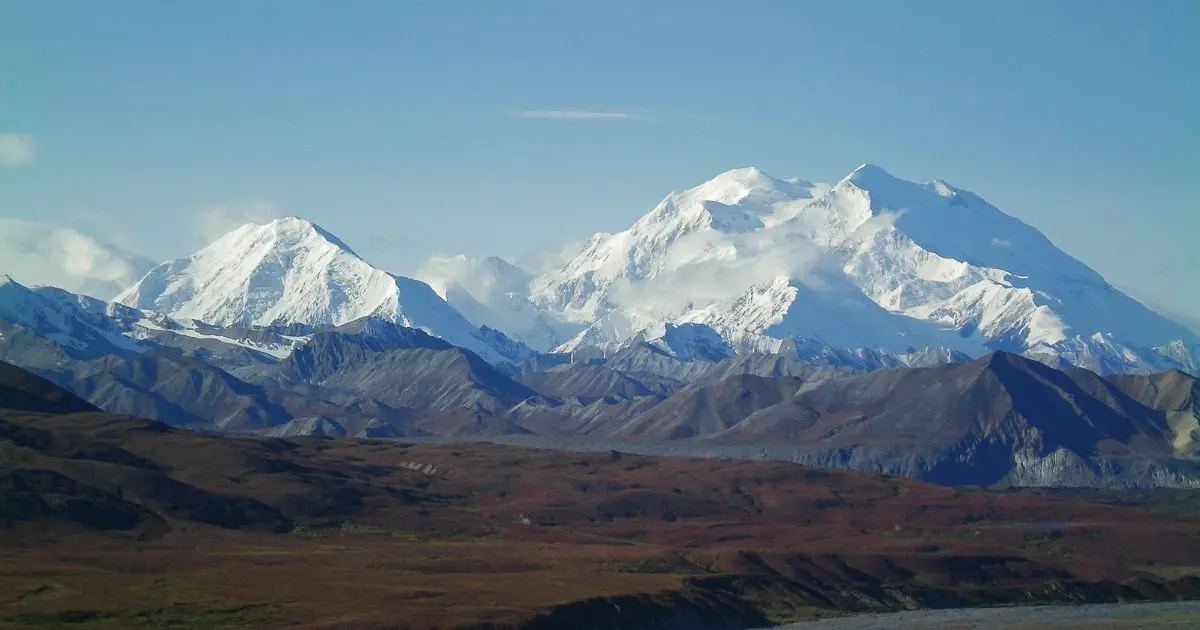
[
  {"x": 288, "y": 231},
  {"x": 734, "y": 185},
  {"x": 867, "y": 174},
  {"x": 292, "y": 271},
  {"x": 743, "y": 174},
  {"x": 943, "y": 189},
  {"x": 496, "y": 262}
]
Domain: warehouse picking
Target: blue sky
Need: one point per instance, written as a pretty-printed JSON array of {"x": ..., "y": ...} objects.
[{"x": 398, "y": 125}]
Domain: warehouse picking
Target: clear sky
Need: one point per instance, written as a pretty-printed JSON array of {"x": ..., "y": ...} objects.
[{"x": 418, "y": 128}]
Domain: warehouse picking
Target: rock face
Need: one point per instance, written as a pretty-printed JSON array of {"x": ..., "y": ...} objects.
[
  {"x": 176, "y": 390},
  {"x": 400, "y": 367},
  {"x": 1002, "y": 419},
  {"x": 23, "y": 391}
]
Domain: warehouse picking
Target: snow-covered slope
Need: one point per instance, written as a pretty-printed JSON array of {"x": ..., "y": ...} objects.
[
  {"x": 871, "y": 262},
  {"x": 686, "y": 342},
  {"x": 83, "y": 326},
  {"x": 36, "y": 254},
  {"x": 492, "y": 292},
  {"x": 86, "y": 328},
  {"x": 291, "y": 271}
]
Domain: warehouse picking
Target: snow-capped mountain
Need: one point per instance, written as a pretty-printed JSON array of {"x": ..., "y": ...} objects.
[
  {"x": 492, "y": 292},
  {"x": 686, "y": 342},
  {"x": 85, "y": 328},
  {"x": 871, "y": 262},
  {"x": 42, "y": 255},
  {"x": 290, "y": 271}
]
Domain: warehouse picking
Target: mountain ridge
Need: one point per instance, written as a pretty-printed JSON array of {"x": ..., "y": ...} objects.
[
  {"x": 945, "y": 268},
  {"x": 291, "y": 271}
]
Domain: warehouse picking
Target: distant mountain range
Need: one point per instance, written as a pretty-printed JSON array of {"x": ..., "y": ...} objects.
[
  {"x": 874, "y": 323},
  {"x": 1002, "y": 418}
]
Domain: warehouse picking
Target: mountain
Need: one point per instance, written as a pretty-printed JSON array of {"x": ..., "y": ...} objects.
[
  {"x": 583, "y": 382},
  {"x": 1002, "y": 419},
  {"x": 494, "y": 293},
  {"x": 176, "y": 390},
  {"x": 707, "y": 410},
  {"x": 44, "y": 255},
  {"x": 291, "y": 271},
  {"x": 871, "y": 264},
  {"x": 44, "y": 324},
  {"x": 23, "y": 391},
  {"x": 112, "y": 505},
  {"x": 249, "y": 380},
  {"x": 401, "y": 367},
  {"x": 677, "y": 389},
  {"x": 45, "y": 327}
]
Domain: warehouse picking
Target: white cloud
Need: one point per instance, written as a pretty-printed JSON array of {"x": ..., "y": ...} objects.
[
  {"x": 216, "y": 221},
  {"x": 705, "y": 268},
  {"x": 83, "y": 257},
  {"x": 17, "y": 149},
  {"x": 1001, "y": 242},
  {"x": 885, "y": 220},
  {"x": 577, "y": 114},
  {"x": 40, "y": 254}
]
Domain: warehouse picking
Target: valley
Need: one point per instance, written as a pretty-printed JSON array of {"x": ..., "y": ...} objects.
[{"x": 111, "y": 521}]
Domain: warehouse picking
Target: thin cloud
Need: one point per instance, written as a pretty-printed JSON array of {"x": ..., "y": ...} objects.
[
  {"x": 592, "y": 115},
  {"x": 576, "y": 114},
  {"x": 97, "y": 224},
  {"x": 216, "y": 221},
  {"x": 389, "y": 242},
  {"x": 17, "y": 149}
]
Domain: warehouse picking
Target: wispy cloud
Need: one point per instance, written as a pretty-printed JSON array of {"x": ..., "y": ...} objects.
[
  {"x": 214, "y": 222},
  {"x": 389, "y": 242},
  {"x": 593, "y": 115},
  {"x": 576, "y": 114},
  {"x": 17, "y": 149},
  {"x": 103, "y": 227}
]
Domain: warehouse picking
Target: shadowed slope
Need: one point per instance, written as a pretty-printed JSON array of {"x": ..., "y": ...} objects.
[{"x": 23, "y": 391}]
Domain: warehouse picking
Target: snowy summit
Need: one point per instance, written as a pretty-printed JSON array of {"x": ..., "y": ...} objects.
[
  {"x": 291, "y": 271},
  {"x": 871, "y": 261}
]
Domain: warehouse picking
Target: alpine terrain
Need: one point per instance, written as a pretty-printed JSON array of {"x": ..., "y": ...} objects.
[
  {"x": 871, "y": 263},
  {"x": 876, "y": 324},
  {"x": 292, "y": 272}
]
